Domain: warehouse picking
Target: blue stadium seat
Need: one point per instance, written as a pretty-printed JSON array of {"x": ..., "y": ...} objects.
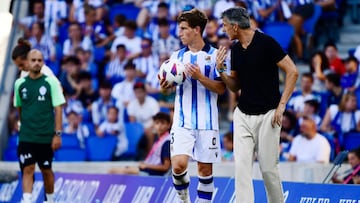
[
  {"x": 12, "y": 141},
  {"x": 100, "y": 148},
  {"x": 70, "y": 154},
  {"x": 69, "y": 141},
  {"x": 309, "y": 24},
  {"x": 351, "y": 140},
  {"x": 134, "y": 132},
  {"x": 281, "y": 32},
  {"x": 10, "y": 154},
  {"x": 128, "y": 9}
]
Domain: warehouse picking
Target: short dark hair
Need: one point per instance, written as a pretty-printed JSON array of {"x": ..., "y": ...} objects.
[
  {"x": 314, "y": 103},
  {"x": 334, "y": 78},
  {"x": 105, "y": 84},
  {"x": 161, "y": 116},
  {"x": 163, "y": 22},
  {"x": 122, "y": 46},
  {"x": 194, "y": 18},
  {"x": 163, "y": 5},
  {"x": 131, "y": 24},
  {"x": 129, "y": 65},
  {"x": 72, "y": 59},
  {"x": 84, "y": 75},
  {"x": 237, "y": 15}
]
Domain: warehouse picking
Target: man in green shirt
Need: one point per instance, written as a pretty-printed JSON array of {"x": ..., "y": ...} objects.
[{"x": 39, "y": 100}]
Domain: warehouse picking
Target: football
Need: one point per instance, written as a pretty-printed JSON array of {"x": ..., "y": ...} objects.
[{"x": 173, "y": 71}]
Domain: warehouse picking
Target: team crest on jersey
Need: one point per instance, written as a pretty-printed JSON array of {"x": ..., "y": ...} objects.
[
  {"x": 42, "y": 91},
  {"x": 208, "y": 59},
  {"x": 24, "y": 93}
]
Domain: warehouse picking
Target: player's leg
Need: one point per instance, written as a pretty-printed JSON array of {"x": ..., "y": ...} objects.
[
  {"x": 207, "y": 151},
  {"x": 181, "y": 147},
  {"x": 27, "y": 166},
  {"x": 268, "y": 157},
  {"x": 45, "y": 156},
  {"x": 244, "y": 145}
]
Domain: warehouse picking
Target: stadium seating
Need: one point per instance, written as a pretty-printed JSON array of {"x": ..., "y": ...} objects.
[
  {"x": 281, "y": 32},
  {"x": 70, "y": 154},
  {"x": 351, "y": 140},
  {"x": 69, "y": 141},
  {"x": 100, "y": 148},
  {"x": 10, "y": 153},
  {"x": 129, "y": 10},
  {"x": 309, "y": 24},
  {"x": 134, "y": 131}
]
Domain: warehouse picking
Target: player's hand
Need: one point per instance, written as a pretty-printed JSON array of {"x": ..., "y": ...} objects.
[
  {"x": 193, "y": 71},
  {"x": 278, "y": 116},
  {"x": 164, "y": 84},
  {"x": 220, "y": 57},
  {"x": 56, "y": 143}
]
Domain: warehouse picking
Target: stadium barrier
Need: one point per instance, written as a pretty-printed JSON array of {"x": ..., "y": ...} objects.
[{"x": 73, "y": 187}]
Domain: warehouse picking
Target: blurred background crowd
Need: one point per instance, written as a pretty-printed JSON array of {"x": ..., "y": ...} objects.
[{"x": 107, "y": 53}]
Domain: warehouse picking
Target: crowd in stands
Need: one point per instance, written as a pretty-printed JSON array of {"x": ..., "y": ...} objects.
[{"x": 107, "y": 65}]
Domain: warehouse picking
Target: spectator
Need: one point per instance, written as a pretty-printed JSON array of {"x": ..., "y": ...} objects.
[
  {"x": 336, "y": 63},
  {"x": 309, "y": 145},
  {"x": 352, "y": 176},
  {"x": 75, "y": 126},
  {"x": 55, "y": 16},
  {"x": 334, "y": 91},
  {"x": 311, "y": 110},
  {"x": 350, "y": 77},
  {"x": 75, "y": 40},
  {"x": 265, "y": 11},
  {"x": 130, "y": 40},
  {"x": 93, "y": 28},
  {"x": 228, "y": 147},
  {"x": 115, "y": 70},
  {"x": 157, "y": 161},
  {"x": 289, "y": 129},
  {"x": 211, "y": 32},
  {"x": 100, "y": 106},
  {"x": 86, "y": 93},
  {"x": 319, "y": 66},
  {"x": 298, "y": 98},
  {"x": 86, "y": 64},
  {"x": 147, "y": 62},
  {"x": 123, "y": 91},
  {"x": 221, "y": 6},
  {"x": 141, "y": 110},
  {"x": 38, "y": 16},
  {"x": 357, "y": 52},
  {"x": 112, "y": 127},
  {"x": 165, "y": 42},
  {"x": 69, "y": 76}
]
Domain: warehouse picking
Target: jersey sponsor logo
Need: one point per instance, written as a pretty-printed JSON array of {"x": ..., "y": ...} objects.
[{"x": 42, "y": 91}]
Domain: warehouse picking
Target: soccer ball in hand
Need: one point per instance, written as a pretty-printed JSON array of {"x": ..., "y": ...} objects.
[{"x": 173, "y": 71}]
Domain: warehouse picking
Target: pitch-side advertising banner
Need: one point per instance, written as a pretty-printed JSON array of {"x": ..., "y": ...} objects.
[{"x": 104, "y": 188}]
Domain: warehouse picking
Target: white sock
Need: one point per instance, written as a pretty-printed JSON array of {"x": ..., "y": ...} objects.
[
  {"x": 26, "y": 198},
  {"x": 50, "y": 198}
]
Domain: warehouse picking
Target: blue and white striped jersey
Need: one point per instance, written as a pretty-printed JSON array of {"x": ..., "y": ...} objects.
[{"x": 196, "y": 106}]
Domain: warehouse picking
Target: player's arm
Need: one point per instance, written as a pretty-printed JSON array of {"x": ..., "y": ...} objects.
[
  {"x": 193, "y": 71},
  {"x": 231, "y": 80}
]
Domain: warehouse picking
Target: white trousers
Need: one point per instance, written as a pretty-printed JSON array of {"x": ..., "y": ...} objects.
[{"x": 254, "y": 134}]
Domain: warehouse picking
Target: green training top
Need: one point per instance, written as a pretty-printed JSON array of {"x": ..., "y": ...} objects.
[{"x": 37, "y": 99}]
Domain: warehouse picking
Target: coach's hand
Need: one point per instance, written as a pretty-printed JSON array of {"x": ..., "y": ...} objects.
[
  {"x": 278, "y": 116},
  {"x": 56, "y": 143}
]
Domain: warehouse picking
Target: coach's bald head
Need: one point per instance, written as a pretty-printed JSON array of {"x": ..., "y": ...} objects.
[{"x": 36, "y": 61}]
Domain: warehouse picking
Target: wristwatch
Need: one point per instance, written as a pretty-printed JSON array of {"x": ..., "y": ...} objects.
[{"x": 58, "y": 133}]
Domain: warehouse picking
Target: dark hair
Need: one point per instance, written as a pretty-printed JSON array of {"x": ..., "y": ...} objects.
[
  {"x": 292, "y": 118},
  {"x": 330, "y": 44},
  {"x": 21, "y": 50},
  {"x": 334, "y": 78},
  {"x": 351, "y": 58},
  {"x": 105, "y": 84},
  {"x": 120, "y": 19},
  {"x": 194, "y": 18},
  {"x": 163, "y": 5},
  {"x": 72, "y": 59},
  {"x": 84, "y": 75},
  {"x": 229, "y": 135},
  {"x": 237, "y": 15},
  {"x": 131, "y": 24},
  {"x": 120, "y": 46},
  {"x": 308, "y": 75},
  {"x": 129, "y": 65},
  {"x": 314, "y": 103},
  {"x": 163, "y": 22},
  {"x": 356, "y": 151},
  {"x": 324, "y": 61},
  {"x": 161, "y": 116}
]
